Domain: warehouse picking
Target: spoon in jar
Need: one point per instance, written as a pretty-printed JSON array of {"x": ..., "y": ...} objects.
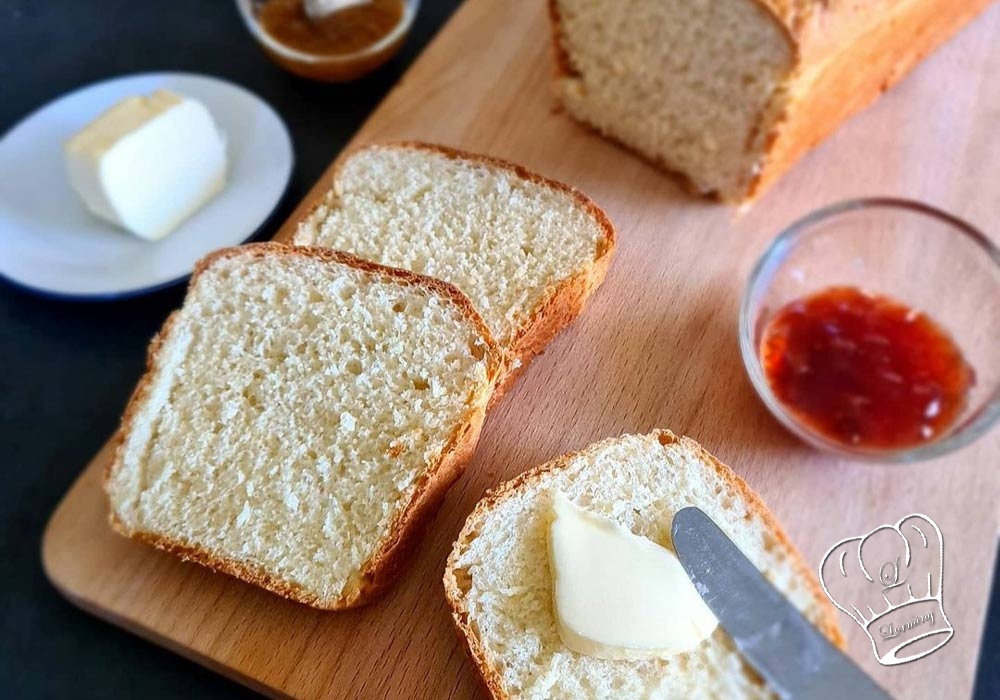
[{"x": 318, "y": 9}]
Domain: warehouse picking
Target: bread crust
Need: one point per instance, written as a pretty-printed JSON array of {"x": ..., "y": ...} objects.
[
  {"x": 864, "y": 50},
  {"x": 845, "y": 54},
  {"x": 562, "y": 302},
  {"x": 455, "y": 596},
  {"x": 409, "y": 522},
  {"x": 560, "y": 305}
]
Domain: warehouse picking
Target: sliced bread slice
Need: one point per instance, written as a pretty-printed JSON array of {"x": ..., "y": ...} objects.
[
  {"x": 301, "y": 416},
  {"x": 526, "y": 250},
  {"x": 498, "y": 581}
]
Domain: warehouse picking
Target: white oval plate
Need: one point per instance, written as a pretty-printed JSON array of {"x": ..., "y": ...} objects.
[{"x": 51, "y": 244}]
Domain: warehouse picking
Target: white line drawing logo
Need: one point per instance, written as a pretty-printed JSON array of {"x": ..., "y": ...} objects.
[{"x": 890, "y": 581}]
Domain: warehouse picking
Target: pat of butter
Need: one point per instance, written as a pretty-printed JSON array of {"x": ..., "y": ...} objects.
[
  {"x": 148, "y": 163},
  {"x": 618, "y": 595}
]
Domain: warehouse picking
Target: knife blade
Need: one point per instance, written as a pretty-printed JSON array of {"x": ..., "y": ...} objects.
[{"x": 795, "y": 659}]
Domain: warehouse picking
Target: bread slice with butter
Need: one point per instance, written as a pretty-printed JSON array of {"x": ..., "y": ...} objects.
[
  {"x": 300, "y": 419},
  {"x": 528, "y": 251},
  {"x": 499, "y": 580}
]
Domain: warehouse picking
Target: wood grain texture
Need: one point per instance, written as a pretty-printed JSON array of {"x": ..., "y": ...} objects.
[{"x": 656, "y": 348}]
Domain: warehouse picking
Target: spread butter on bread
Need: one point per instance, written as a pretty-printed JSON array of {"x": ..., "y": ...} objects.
[{"x": 499, "y": 582}]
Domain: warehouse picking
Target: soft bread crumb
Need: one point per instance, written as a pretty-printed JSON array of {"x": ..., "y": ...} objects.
[
  {"x": 291, "y": 412},
  {"x": 689, "y": 84},
  {"x": 505, "y": 237},
  {"x": 500, "y": 587}
]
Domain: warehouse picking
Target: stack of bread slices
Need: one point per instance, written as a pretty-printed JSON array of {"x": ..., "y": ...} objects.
[{"x": 305, "y": 410}]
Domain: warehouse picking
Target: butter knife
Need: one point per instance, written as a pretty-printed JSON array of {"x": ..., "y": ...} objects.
[{"x": 795, "y": 659}]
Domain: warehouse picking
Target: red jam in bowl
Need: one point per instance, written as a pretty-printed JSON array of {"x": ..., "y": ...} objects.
[{"x": 865, "y": 370}]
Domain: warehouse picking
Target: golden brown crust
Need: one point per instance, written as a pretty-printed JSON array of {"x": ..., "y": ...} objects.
[
  {"x": 845, "y": 54},
  {"x": 379, "y": 572},
  {"x": 407, "y": 527},
  {"x": 863, "y": 49},
  {"x": 793, "y": 14},
  {"x": 401, "y": 276},
  {"x": 139, "y": 393},
  {"x": 563, "y": 65},
  {"x": 241, "y": 570},
  {"x": 563, "y": 302},
  {"x": 404, "y": 532},
  {"x": 490, "y": 677},
  {"x": 558, "y": 309}
]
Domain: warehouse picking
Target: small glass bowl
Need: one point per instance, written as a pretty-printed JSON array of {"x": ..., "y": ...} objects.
[
  {"x": 906, "y": 250},
  {"x": 339, "y": 68}
]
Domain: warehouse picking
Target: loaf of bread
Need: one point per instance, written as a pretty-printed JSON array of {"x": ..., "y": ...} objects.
[
  {"x": 301, "y": 416},
  {"x": 730, "y": 93},
  {"x": 526, "y": 250},
  {"x": 499, "y": 585}
]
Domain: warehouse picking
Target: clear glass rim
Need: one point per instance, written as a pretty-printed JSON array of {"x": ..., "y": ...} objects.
[
  {"x": 763, "y": 270},
  {"x": 246, "y": 8}
]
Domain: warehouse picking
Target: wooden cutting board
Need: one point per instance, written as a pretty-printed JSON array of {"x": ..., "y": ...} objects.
[{"x": 656, "y": 348}]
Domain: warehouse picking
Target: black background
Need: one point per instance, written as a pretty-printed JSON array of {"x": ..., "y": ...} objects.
[{"x": 66, "y": 369}]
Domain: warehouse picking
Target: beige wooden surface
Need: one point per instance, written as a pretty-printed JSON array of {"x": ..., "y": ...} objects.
[{"x": 656, "y": 347}]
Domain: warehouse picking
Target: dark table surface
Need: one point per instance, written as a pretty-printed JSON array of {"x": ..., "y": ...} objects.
[{"x": 67, "y": 368}]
